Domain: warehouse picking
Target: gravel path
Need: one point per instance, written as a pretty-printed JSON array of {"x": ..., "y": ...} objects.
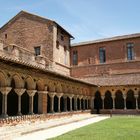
[{"x": 59, "y": 130}]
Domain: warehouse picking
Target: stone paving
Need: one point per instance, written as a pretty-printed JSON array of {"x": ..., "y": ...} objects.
[{"x": 41, "y": 130}]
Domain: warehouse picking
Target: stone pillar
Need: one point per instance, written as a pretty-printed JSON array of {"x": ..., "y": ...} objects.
[
  {"x": 31, "y": 94},
  {"x": 52, "y": 94},
  {"x": 124, "y": 97},
  {"x": 136, "y": 97},
  {"x": 70, "y": 96},
  {"x": 4, "y": 91},
  {"x": 84, "y": 103},
  {"x": 19, "y": 93},
  {"x": 113, "y": 99},
  {"x": 92, "y": 103},
  {"x": 42, "y": 102},
  {"x": 65, "y": 103},
  {"x": 80, "y": 102},
  {"x": 59, "y": 95},
  {"x": 75, "y": 103},
  {"x": 103, "y": 101}
]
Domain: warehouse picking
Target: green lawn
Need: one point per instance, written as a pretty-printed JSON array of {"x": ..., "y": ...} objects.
[{"x": 115, "y": 128}]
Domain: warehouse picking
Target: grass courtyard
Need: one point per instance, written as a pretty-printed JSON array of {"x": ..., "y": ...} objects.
[{"x": 115, "y": 128}]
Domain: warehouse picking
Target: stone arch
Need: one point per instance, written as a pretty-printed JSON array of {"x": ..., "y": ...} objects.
[
  {"x": 64, "y": 88},
  {"x": 130, "y": 100},
  {"x": 98, "y": 101},
  {"x": 108, "y": 102},
  {"x": 17, "y": 81},
  {"x": 40, "y": 85},
  {"x": 3, "y": 79},
  {"x": 51, "y": 86},
  {"x": 29, "y": 83},
  {"x": 58, "y": 88},
  {"x": 119, "y": 101}
]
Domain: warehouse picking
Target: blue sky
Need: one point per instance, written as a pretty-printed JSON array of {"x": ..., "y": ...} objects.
[{"x": 84, "y": 19}]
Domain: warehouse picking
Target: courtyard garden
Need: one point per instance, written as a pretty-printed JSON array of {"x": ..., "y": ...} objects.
[{"x": 115, "y": 128}]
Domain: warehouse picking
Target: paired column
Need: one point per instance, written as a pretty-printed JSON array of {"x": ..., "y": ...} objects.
[
  {"x": 52, "y": 94},
  {"x": 84, "y": 100},
  {"x": 19, "y": 93},
  {"x": 59, "y": 95},
  {"x": 136, "y": 97},
  {"x": 80, "y": 105},
  {"x": 4, "y": 91},
  {"x": 113, "y": 99},
  {"x": 70, "y": 96},
  {"x": 92, "y": 103},
  {"x": 31, "y": 94},
  {"x": 124, "y": 97}
]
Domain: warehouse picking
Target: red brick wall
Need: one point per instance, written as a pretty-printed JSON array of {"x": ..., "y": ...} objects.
[
  {"x": 116, "y": 58},
  {"x": 28, "y": 33}
]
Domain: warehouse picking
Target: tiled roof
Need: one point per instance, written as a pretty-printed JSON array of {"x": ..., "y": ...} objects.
[
  {"x": 34, "y": 16},
  {"x": 115, "y": 80},
  {"x": 107, "y": 39}
]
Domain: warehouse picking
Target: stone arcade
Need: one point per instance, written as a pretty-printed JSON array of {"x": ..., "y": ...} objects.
[{"x": 40, "y": 73}]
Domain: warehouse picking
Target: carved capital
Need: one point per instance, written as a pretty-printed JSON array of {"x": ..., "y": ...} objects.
[
  {"x": 51, "y": 94},
  {"x": 31, "y": 92},
  {"x": 19, "y": 91},
  {"x": 59, "y": 95},
  {"x": 5, "y": 90}
]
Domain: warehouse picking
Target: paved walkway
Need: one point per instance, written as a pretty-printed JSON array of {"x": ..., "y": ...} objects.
[{"x": 59, "y": 130}]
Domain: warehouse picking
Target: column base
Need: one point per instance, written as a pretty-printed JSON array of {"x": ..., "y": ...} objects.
[
  {"x": 19, "y": 114},
  {"x": 30, "y": 113},
  {"x": 4, "y": 115}
]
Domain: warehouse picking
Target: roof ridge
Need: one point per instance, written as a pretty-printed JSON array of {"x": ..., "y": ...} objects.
[{"x": 119, "y": 37}]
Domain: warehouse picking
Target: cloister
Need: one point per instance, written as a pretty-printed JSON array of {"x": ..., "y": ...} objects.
[
  {"x": 126, "y": 97},
  {"x": 22, "y": 97}
]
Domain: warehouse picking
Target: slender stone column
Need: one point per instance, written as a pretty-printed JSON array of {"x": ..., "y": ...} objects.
[
  {"x": 124, "y": 97},
  {"x": 113, "y": 99},
  {"x": 65, "y": 103},
  {"x": 80, "y": 97},
  {"x": 84, "y": 103},
  {"x": 75, "y": 103},
  {"x": 4, "y": 91},
  {"x": 103, "y": 101},
  {"x": 136, "y": 97},
  {"x": 59, "y": 95},
  {"x": 70, "y": 96},
  {"x": 19, "y": 92},
  {"x": 52, "y": 94},
  {"x": 92, "y": 103},
  {"x": 31, "y": 94}
]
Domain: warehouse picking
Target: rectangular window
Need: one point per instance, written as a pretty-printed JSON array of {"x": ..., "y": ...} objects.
[
  {"x": 102, "y": 55},
  {"x": 75, "y": 58},
  {"x": 57, "y": 44},
  {"x": 37, "y": 50},
  {"x": 130, "y": 51}
]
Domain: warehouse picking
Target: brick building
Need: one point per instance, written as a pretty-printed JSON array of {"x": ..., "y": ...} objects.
[
  {"x": 113, "y": 64},
  {"x": 42, "y": 73}
]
